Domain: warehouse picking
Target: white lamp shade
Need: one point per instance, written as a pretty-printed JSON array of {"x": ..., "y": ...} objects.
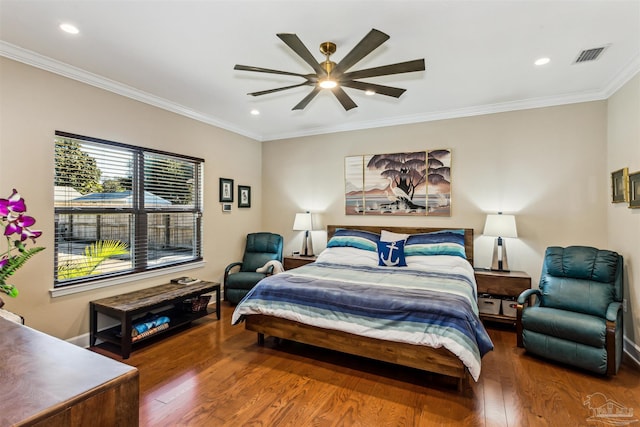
[
  {"x": 500, "y": 226},
  {"x": 303, "y": 222}
]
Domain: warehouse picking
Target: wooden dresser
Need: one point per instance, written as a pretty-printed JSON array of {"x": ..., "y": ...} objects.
[{"x": 45, "y": 381}]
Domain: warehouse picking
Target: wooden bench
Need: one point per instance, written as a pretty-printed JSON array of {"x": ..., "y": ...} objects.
[{"x": 169, "y": 299}]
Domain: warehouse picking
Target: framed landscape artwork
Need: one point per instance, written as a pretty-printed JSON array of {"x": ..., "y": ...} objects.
[
  {"x": 619, "y": 186},
  {"x": 412, "y": 183}
]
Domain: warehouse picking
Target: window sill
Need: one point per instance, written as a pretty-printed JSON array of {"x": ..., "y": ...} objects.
[{"x": 84, "y": 287}]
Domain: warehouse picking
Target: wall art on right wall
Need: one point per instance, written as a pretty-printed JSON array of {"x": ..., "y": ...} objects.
[
  {"x": 619, "y": 186},
  {"x": 634, "y": 190}
]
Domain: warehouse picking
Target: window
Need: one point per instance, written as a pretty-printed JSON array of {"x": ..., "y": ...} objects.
[{"x": 121, "y": 209}]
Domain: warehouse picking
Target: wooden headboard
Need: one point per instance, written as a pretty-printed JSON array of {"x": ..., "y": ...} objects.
[{"x": 468, "y": 233}]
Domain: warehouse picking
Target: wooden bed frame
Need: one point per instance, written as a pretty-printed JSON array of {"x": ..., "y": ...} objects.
[{"x": 437, "y": 360}]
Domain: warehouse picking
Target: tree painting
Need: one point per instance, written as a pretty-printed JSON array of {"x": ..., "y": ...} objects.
[
  {"x": 402, "y": 178},
  {"x": 414, "y": 183},
  {"x": 439, "y": 183}
]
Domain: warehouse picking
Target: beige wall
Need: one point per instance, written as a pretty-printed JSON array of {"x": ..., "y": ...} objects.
[
  {"x": 550, "y": 167},
  {"x": 547, "y": 166},
  {"x": 623, "y": 150},
  {"x": 34, "y": 104}
]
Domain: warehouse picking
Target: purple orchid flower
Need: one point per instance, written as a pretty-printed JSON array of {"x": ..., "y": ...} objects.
[
  {"x": 14, "y": 204},
  {"x": 20, "y": 225},
  {"x": 14, "y": 220},
  {"x": 12, "y": 209}
]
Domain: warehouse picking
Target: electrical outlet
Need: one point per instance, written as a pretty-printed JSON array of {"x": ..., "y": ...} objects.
[{"x": 624, "y": 305}]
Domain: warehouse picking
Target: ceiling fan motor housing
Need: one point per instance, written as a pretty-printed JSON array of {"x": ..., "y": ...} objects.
[{"x": 328, "y": 49}]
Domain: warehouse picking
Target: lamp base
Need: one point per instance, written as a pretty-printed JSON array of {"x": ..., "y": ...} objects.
[
  {"x": 307, "y": 245},
  {"x": 500, "y": 261}
]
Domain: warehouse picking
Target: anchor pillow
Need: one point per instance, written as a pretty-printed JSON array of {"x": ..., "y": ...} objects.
[{"x": 391, "y": 254}]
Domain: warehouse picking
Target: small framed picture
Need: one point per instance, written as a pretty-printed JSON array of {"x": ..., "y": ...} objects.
[
  {"x": 619, "y": 186},
  {"x": 226, "y": 207},
  {"x": 244, "y": 196},
  {"x": 634, "y": 190},
  {"x": 226, "y": 190}
]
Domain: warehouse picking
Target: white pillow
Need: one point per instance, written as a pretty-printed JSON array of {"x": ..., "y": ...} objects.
[
  {"x": 389, "y": 236},
  {"x": 348, "y": 256}
]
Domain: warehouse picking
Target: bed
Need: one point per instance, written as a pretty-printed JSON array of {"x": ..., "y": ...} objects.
[{"x": 423, "y": 315}]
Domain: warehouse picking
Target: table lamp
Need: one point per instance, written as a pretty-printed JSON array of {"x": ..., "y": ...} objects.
[
  {"x": 500, "y": 226},
  {"x": 304, "y": 222}
]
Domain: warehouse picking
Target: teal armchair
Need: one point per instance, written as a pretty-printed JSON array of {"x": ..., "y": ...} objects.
[
  {"x": 260, "y": 248},
  {"x": 577, "y": 315}
]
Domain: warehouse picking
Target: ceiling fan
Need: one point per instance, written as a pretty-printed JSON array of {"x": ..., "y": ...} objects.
[{"x": 332, "y": 76}]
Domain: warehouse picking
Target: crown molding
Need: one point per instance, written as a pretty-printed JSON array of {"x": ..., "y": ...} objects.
[
  {"x": 34, "y": 59},
  {"x": 478, "y": 110},
  {"x": 626, "y": 74},
  {"x": 45, "y": 63}
]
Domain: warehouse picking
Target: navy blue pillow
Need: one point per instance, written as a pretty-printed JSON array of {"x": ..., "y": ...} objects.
[{"x": 391, "y": 254}]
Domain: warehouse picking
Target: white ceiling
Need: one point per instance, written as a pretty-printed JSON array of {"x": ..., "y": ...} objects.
[{"x": 180, "y": 54}]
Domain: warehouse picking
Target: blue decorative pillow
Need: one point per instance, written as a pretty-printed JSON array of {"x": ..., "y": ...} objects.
[
  {"x": 391, "y": 254},
  {"x": 354, "y": 239},
  {"x": 445, "y": 242}
]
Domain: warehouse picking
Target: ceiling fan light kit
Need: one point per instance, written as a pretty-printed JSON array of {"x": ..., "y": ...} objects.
[{"x": 332, "y": 76}]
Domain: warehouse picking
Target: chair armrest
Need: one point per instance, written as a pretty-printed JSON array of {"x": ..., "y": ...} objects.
[
  {"x": 525, "y": 295},
  {"x": 226, "y": 274},
  {"x": 612, "y": 311},
  {"x": 230, "y": 266},
  {"x": 612, "y": 345},
  {"x": 524, "y": 299}
]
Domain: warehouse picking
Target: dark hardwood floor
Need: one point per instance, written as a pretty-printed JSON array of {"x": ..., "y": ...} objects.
[{"x": 214, "y": 374}]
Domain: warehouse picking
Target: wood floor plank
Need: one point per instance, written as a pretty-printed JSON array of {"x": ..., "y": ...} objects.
[{"x": 215, "y": 374}]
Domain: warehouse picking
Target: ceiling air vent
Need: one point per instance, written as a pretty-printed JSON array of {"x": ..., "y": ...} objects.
[{"x": 590, "y": 54}]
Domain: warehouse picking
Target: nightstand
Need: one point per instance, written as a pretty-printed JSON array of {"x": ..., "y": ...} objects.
[
  {"x": 294, "y": 261},
  {"x": 501, "y": 284}
]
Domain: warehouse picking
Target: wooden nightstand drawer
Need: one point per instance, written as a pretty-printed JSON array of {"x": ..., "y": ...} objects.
[
  {"x": 509, "y": 284},
  {"x": 295, "y": 261}
]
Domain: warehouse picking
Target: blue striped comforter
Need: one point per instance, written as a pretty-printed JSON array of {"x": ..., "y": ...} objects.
[{"x": 432, "y": 308}]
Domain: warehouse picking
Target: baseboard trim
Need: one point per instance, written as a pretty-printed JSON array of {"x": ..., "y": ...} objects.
[
  {"x": 632, "y": 350},
  {"x": 80, "y": 340}
]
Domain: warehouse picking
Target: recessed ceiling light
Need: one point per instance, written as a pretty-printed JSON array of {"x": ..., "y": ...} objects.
[
  {"x": 255, "y": 112},
  {"x": 542, "y": 61},
  {"x": 369, "y": 92},
  {"x": 68, "y": 28}
]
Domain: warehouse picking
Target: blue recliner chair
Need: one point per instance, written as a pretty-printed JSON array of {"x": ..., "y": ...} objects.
[
  {"x": 577, "y": 316},
  {"x": 260, "y": 248}
]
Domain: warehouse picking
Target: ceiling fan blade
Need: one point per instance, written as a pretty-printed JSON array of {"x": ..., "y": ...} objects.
[
  {"x": 300, "y": 105},
  {"x": 400, "y": 67},
  {"x": 264, "y": 92},
  {"x": 379, "y": 89},
  {"x": 344, "y": 99},
  {"x": 367, "y": 45},
  {"x": 298, "y": 47},
  {"x": 268, "y": 70}
]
